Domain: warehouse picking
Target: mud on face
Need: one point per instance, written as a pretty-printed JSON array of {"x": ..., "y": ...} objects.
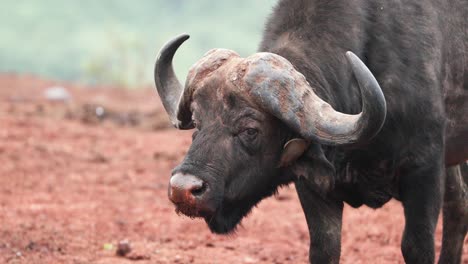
[{"x": 234, "y": 155}]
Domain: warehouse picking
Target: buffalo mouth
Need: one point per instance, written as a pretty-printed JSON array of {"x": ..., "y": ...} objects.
[
  {"x": 227, "y": 217},
  {"x": 222, "y": 220},
  {"x": 193, "y": 211}
]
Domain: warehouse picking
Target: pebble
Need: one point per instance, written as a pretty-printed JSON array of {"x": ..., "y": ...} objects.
[{"x": 123, "y": 248}]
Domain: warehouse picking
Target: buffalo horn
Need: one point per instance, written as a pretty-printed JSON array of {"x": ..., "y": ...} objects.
[{"x": 169, "y": 88}]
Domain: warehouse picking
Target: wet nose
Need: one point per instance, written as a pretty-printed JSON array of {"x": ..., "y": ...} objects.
[{"x": 185, "y": 188}]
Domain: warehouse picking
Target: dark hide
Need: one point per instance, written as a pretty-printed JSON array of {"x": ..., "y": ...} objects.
[
  {"x": 416, "y": 50},
  {"x": 239, "y": 171}
]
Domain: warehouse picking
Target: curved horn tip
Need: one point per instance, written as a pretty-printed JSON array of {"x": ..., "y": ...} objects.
[
  {"x": 183, "y": 36},
  {"x": 374, "y": 103},
  {"x": 173, "y": 43},
  {"x": 352, "y": 58},
  {"x": 350, "y": 53}
]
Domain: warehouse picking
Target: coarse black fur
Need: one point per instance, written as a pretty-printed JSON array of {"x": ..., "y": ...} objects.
[{"x": 417, "y": 50}]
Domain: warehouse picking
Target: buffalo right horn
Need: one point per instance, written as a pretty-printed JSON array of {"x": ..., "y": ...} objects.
[{"x": 169, "y": 88}]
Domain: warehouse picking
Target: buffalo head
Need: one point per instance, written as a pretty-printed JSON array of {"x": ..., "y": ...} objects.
[{"x": 254, "y": 117}]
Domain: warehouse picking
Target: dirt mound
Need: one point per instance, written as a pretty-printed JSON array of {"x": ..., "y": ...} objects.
[{"x": 75, "y": 184}]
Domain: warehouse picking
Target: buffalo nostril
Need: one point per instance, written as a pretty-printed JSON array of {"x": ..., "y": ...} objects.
[
  {"x": 184, "y": 188},
  {"x": 198, "y": 190}
]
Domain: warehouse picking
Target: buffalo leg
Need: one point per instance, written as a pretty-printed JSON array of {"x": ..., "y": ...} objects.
[
  {"x": 420, "y": 190},
  {"x": 324, "y": 218},
  {"x": 455, "y": 212}
]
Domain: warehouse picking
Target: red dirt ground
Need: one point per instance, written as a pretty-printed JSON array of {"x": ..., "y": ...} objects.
[{"x": 73, "y": 185}]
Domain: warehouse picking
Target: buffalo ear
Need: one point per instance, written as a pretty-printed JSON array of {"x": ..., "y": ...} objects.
[
  {"x": 316, "y": 169},
  {"x": 292, "y": 150}
]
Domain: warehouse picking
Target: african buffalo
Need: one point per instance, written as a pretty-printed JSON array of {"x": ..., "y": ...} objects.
[{"x": 306, "y": 109}]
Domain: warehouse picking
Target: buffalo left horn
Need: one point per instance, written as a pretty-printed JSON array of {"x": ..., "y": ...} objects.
[
  {"x": 284, "y": 92},
  {"x": 169, "y": 88}
]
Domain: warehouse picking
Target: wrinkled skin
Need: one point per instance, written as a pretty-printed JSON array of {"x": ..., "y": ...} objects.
[
  {"x": 240, "y": 172},
  {"x": 245, "y": 168}
]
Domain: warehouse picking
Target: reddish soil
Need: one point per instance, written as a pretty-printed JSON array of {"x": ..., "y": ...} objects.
[{"x": 72, "y": 185}]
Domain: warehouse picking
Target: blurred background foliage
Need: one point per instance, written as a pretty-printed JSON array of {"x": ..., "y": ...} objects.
[{"x": 116, "y": 41}]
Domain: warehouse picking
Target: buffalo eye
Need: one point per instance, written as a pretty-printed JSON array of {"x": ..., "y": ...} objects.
[
  {"x": 250, "y": 134},
  {"x": 248, "y": 139}
]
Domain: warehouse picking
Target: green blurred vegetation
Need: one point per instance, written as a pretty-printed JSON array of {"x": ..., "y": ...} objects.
[{"x": 116, "y": 41}]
